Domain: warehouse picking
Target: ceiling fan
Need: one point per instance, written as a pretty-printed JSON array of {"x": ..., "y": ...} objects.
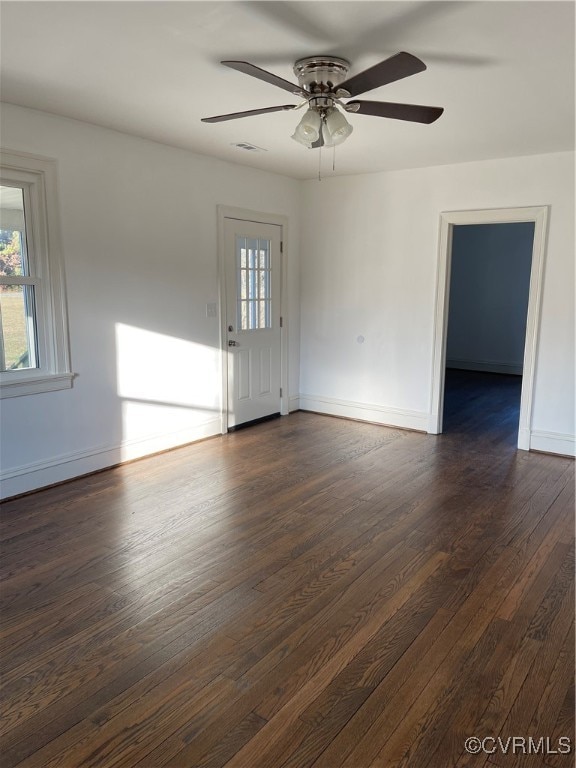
[{"x": 322, "y": 84}]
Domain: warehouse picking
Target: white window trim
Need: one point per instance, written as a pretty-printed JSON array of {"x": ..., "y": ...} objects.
[{"x": 38, "y": 176}]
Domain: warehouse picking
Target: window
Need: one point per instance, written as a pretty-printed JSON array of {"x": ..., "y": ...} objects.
[
  {"x": 33, "y": 329},
  {"x": 254, "y": 284}
]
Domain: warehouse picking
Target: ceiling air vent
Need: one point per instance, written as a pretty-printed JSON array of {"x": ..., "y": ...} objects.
[{"x": 249, "y": 147}]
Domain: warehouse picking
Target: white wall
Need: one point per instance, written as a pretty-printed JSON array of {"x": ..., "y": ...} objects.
[
  {"x": 139, "y": 230},
  {"x": 369, "y": 254},
  {"x": 489, "y": 288}
]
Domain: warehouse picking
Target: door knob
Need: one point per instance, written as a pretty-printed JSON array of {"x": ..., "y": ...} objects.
[{"x": 233, "y": 343}]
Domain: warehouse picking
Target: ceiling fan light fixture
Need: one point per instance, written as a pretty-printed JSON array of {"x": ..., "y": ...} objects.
[
  {"x": 322, "y": 82},
  {"x": 336, "y": 128},
  {"x": 308, "y": 129}
]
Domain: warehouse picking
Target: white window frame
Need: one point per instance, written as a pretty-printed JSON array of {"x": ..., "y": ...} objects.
[{"x": 37, "y": 177}]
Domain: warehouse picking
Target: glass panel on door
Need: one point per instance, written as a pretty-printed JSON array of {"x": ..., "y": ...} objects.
[{"x": 253, "y": 284}]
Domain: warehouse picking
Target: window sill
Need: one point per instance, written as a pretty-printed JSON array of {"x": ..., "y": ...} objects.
[{"x": 36, "y": 384}]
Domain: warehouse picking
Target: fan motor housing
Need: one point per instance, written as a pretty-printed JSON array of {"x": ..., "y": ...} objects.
[{"x": 319, "y": 74}]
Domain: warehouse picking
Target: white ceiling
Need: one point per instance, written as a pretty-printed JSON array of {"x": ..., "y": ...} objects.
[{"x": 503, "y": 71}]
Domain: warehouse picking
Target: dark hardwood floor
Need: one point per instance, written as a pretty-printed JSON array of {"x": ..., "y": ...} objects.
[
  {"x": 307, "y": 592},
  {"x": 483, "y": 405}
]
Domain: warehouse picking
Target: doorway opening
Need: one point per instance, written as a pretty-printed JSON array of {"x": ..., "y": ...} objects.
[
  {"x": 487, "y": 310},
  {"x": 487, "y": 319}
]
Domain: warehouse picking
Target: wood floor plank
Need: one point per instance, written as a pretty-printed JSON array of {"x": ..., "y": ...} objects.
[
  {"x": 231, "y": 743},
  {"x": 335, "y": 706},
  {"x": 535, "y": 690},
  {"x": 427, "y": 726},
  {"x": 312, "y": 661},
  {"x": 52, "y": 628},
  {"x": 546, "y": 713},
  {"x": 564, "y": 728},
  {"x": 359, "y": 724},
  {"x": 21, "y": 620},
  {"x": 386, "y": 711},
  {"x": 489, "y": 723},
  {"x": 387, "y": 598},
  {"x": 41, "y": 718}
]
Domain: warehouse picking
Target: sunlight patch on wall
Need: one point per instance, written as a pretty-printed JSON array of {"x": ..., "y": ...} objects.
[{"x": 166, "y": 384}]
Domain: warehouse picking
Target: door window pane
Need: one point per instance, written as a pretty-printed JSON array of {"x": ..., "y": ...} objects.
[{"x": 253, "y": 284}]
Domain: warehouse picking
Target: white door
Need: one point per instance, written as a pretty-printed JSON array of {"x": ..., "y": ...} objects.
[{"x": 252, "y": 274}]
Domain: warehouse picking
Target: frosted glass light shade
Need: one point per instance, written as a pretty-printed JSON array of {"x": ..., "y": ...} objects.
[
  {"x": 308, "y": 129},
  {"x": 336, "y": 128}
]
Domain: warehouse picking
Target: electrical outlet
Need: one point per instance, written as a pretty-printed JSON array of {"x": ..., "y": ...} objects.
[{"x": 211, "y": 309}]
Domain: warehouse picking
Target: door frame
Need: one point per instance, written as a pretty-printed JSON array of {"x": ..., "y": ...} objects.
[
  {"x": 539, "y": 216},
  {"x": 259, "y": 217}
]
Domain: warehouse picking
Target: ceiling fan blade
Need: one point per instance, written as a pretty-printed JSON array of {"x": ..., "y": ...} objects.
[
  {"x": 413, "y": 112},
  {"x": 267, "y": 77},
  {"x": 249, "y": 113},
  {"x": 395, "y": 68}
]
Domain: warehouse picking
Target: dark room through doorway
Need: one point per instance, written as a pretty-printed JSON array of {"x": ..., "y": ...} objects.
[{"x": 489, "y": 291}]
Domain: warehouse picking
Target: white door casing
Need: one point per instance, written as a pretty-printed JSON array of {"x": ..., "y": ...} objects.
[
  {"x": 538, "y": 215},
  {"x": 252, "y": 339}
]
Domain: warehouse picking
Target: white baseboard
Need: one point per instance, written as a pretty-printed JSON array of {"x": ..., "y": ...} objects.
[
  {"x": 550, "y": 442},
  {"x": 30, "y": 477},
  {"x": 377, "y": 414},
  {"x": 40, "y": 474},
  {"x": 487, "y": 366},
  {"x": 553, "y": 442},
  {"x": 294, "y": 403}
]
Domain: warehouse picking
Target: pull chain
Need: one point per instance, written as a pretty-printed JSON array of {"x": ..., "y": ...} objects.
[
  {"x": 334, "y": 157},
  {"x": 320, "y": 164}
]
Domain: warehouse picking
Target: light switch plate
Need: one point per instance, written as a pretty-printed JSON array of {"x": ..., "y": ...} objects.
[{"x": 211, "y": 309}]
